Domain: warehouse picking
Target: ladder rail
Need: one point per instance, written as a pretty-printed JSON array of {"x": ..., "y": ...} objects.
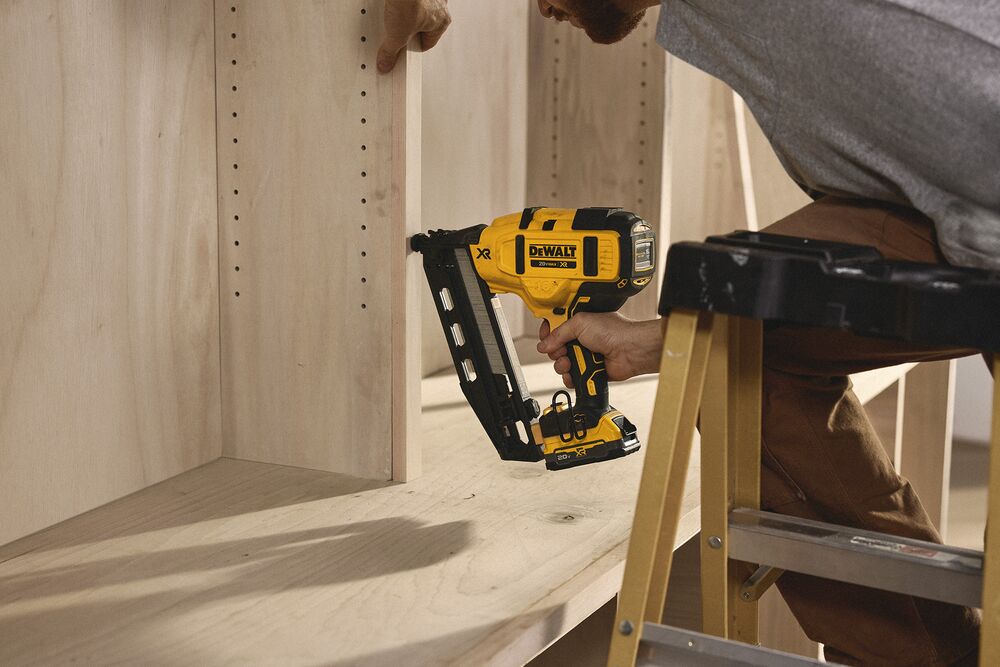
[{"x": 675, "y": 412}]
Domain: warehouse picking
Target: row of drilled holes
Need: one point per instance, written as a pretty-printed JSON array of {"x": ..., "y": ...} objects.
[
  {"x": 555, "y": 115},
  {"x": 236, "y": 140},
  {"x": 236, "y": 166},
  {"x": 642, "y": 103},
  {"x": 364, "y": 172},
  {"x": 555, "y": 124}
]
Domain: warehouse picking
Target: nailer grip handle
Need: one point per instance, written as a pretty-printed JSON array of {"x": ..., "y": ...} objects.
[{"x": 590, "y": 378}]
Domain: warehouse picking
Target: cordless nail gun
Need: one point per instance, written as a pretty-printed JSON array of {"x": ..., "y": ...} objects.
[{"x": 560, "y": 262}]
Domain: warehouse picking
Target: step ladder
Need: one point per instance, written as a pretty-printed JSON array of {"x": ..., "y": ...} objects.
[{"x": 718, "y": 294}]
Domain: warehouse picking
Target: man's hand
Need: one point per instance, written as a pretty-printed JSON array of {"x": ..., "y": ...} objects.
[
  {"x": 630, "y": 348},
  {"x": 406, "y": 18}
]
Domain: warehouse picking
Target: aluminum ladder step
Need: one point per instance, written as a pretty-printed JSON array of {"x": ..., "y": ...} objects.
[
  {"x": 876, "y": 560},
  {"x": 662, "y": 645}
]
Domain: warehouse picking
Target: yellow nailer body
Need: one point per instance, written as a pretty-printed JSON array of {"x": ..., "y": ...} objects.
[{"x": 560, "y": 262}]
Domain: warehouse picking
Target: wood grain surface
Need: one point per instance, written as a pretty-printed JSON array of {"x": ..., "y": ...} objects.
[
  {"x": 928, "y": 396},
  {"x": 478, "y": 562},
  {"x": 475, "y": 153},
  {"x": 707, "y": 184},
  {"x": 109, "y": 339},
  {"x": 311, "y": 231},
  {"x": 775, "y": 194}
]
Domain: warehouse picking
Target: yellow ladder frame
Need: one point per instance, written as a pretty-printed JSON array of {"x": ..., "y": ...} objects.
[{"x": 721, "y": 356}]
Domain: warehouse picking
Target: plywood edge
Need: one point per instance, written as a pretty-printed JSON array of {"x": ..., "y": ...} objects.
[
  {"x": 569, "y": 604},
  {"x": 664, "y": 233},
  {"x": 870, "y": 384},
  {"x": 406, "y": 267},
  {"x": 746, "y": 169},
  {"x": 219, "y": 237},
  {"x": 927, "y": 401}
]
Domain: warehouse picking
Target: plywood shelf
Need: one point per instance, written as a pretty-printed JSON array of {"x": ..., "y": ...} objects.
[{"x": 477, "y": 562}]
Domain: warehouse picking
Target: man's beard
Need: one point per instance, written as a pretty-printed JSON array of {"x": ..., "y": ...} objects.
[{"x": 604, "y": 22}]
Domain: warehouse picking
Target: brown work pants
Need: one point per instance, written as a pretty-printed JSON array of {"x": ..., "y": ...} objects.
[{"x": 822, "y": 459}]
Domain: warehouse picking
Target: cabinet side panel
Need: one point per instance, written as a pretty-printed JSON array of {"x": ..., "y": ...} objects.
[
  {"x": 475, "y": 157},
  {"x": 309, "y": 233},
  {"x": 109, "y": 328}
]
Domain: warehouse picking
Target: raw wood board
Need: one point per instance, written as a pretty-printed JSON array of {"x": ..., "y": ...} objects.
[
  {"x": 928, "y": 407},
  {"x": 475, "y": 111},
  {"x": 709, "y": 192},
  {"x": 725, "y": 175},
  {"x": 477, "y": 562},
  {"x": 109, "y": 325},
  {"x": 775, "y": 194},
  {"x": 313, "y": 213}
]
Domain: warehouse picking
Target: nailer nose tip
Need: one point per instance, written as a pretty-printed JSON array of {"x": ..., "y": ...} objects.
[{"x": 417, "y": 242}]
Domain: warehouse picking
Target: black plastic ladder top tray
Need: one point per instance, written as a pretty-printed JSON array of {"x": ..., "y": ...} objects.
[{"x": 834, "y": 285}]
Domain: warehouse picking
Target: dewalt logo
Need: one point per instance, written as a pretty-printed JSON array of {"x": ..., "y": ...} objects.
[{"x": 552, "y": 250}]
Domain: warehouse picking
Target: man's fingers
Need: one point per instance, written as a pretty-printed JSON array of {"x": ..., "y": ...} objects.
[
  {"x": 389, "y": 51},
  {"x": 567, "y": 380},
  {"x": 406, "y": 18},
  {"x": 562, "y": 334},
  {"x": 432, "y": 37},
  {"x": 556, "y": 354},
  {"x": 543, "y": 331},
  {"x": 562, "y": 365}
]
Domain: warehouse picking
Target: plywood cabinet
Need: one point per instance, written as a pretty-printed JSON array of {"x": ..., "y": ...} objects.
[
  {"x": 204, "y": 254},
  {"x": 312, "y": 153},
  {"x": 204, "y": 209},
  {"x": 109, "y": 321}
]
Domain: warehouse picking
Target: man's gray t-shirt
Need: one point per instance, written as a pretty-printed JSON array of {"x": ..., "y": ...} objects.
[{"x": 895, "y": 100}]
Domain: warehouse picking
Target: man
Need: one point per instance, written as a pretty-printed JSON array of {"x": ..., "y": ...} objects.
[{"x": 888, "y": 113}]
